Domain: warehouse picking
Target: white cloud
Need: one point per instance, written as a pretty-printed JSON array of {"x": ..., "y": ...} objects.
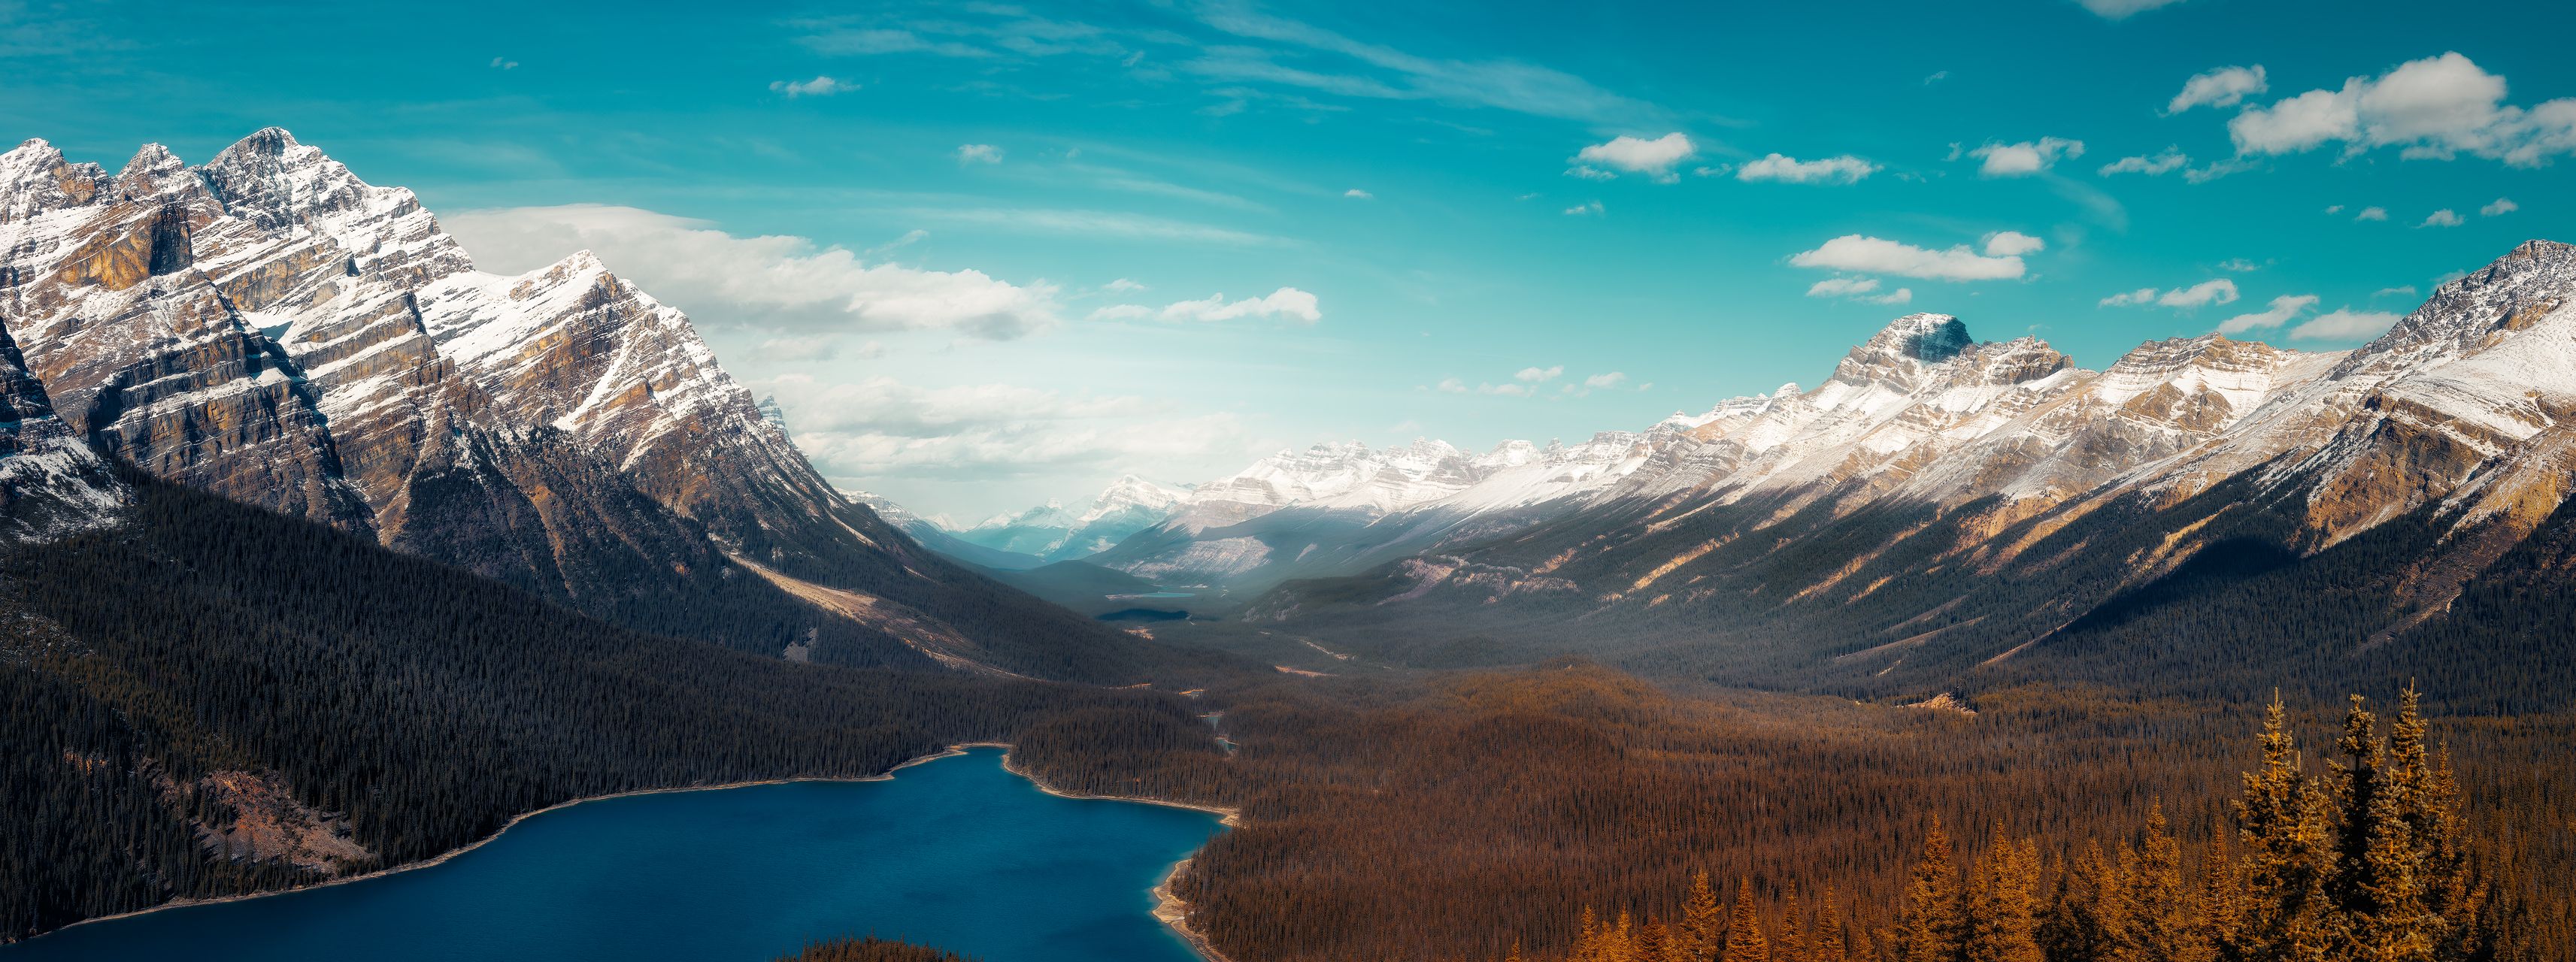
[
  {"x": 1936, "y": 77},
  {"x": 2164, "y": 161},
  {"x": 1653, "y": 158},
  {"x": 1122, "y": 284},
  {"x": 2011, "y": 243},
  {"x": 2026, "y": 158},
  {"x": 1588, "y": 172},
  {"x": 2239, "y": 265},
  {"x": 2502, "y": 205},
  {"x": 2279, "y": 312},
  {"x": 2372, "y": 213},
  {"x": 2433, "y": 108},
  {"x": 1539, "y": 375},
  {"x": 1612, "y": 379},
  {"x": 2223, "y": 87},
  {"x": 1871, "y": 255},
  {"x": 2203, "y": 294},
  {"x": 881, "y": 427},
  {"x": 2401, "y": 290},
  {"x": 2344, "y": 324},
  {"x": 504, "y": 63},
  {"x": 1845, "y": 169},
  {"x": 2218, "y": 168},
  {"x": 1120, "y": 312},
  {"x": 1587, "y": 207},
  {"x": 2122, "y": 9},
  {"x": 817, "y": 87},
  {"x": 978, "y": 154},
  {"x": 1286, "y": 302},
  {"x": 2216, "y": 291},
  {"x": 2445, "y": 217},
  {"x": 1358, "y": 194},
  {"x": 771, "y": 282},
  {"x": 2334, "y": 208}
]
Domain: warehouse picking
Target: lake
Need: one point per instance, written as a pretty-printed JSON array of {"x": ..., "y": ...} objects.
[{"x": 957, "y": 853}]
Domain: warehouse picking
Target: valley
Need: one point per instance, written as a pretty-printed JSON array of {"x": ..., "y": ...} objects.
[{"x": 329, "y": 553}]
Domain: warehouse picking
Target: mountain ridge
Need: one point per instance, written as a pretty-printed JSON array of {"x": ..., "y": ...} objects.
[{"x": 272, "y": 329}]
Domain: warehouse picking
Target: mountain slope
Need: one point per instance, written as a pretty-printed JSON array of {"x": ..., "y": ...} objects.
[
  {"x": 270, "y": 328},
  {"x": 1942, "y": 513}
]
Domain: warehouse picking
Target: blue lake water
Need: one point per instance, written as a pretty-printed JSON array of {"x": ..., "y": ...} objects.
[{"x": 956, "y": 853}]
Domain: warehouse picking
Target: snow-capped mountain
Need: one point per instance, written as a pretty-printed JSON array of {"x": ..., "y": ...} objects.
[
  {"x": 270, "y": 328},
  {"x": 1055, "y": 531},
  {"x": 1940, "y": 504}
]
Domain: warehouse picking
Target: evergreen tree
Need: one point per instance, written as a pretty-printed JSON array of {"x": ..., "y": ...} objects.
[
  {"x": 2002, "y": 915},
  {"x": 2156, "y": 923},
  {"x": 1791, "y": 943},
  {"x": 1744, "y": 939},
  {"x": 1703, "y": 921},
  {"x": 1928, "y": 927},
  {"x": 1831, "y": 933},
  {"x": 2288, "y": 849}
]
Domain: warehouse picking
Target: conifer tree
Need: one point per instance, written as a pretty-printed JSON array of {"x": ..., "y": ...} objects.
[
  {"x": 2221, "y": 907},
  {"x": 2157, "y": 920},
  {"x": 1654, "y": 943},
  {"x": 1790, "y": 945},
  {"x": 2002, "y": 908},
  {"x": 1928, "y": 926},
  {"x": 2073, "y": 930},
  {"x": 1587, "y": 941},
  {"x": 1744, "y": 939},
  {"x": 1831, "y": 934},
  {"x": 1620, "y": 944},
  {"x": 1703, "y": 921},
  {"x": 2288, "y": 849}
]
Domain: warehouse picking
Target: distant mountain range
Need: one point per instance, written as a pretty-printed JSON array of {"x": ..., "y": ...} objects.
[
  {"x": 1940, "y": 505},
  {"x": 269, "y": 328}
]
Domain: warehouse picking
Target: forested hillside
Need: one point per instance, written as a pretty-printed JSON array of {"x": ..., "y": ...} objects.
[{"x": 211, "y": 699}]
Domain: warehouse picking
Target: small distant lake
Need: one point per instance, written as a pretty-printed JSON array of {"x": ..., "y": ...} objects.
[
  {"x": 1159, "y": 594},
  {"x": 956, "y": 853}
]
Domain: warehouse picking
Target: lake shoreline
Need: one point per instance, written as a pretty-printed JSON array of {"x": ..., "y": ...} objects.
[
  {"x": 1169, "y": 908},
  {"x": 1177, "y": 922}
]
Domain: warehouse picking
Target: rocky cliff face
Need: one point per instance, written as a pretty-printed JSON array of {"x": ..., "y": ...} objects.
[
  {"x": 51, "y": 484},
  {"x": 271, "y": 328}
]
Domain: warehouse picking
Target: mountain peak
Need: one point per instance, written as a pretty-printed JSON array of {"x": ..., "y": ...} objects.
[{"x": 1929, "y": 338}]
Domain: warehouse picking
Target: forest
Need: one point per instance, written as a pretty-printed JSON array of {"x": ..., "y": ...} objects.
[
  {"x": 2369, "y": 859},
  {"x": 1454, "y": 816},
  {"x": 405, "y": 707}
]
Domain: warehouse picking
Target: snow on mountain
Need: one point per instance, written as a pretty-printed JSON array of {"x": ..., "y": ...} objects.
[
  {"x": 1056, "y": 532},
  {"x": 270, "y": 328}
]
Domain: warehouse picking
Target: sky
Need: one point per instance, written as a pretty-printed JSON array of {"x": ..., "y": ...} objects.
[{"x": 985, "y": 255}]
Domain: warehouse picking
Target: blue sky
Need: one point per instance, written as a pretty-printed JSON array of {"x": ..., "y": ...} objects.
[{"x": 976, "y": 249}]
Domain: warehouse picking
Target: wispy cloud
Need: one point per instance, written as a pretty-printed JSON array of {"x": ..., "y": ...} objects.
[
  {"x": 820, "y": 86},
  {"x": 2279, "y": 312},
  {"x": 1845, "y": 169},
  {"x": 769, "y": 282}
]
